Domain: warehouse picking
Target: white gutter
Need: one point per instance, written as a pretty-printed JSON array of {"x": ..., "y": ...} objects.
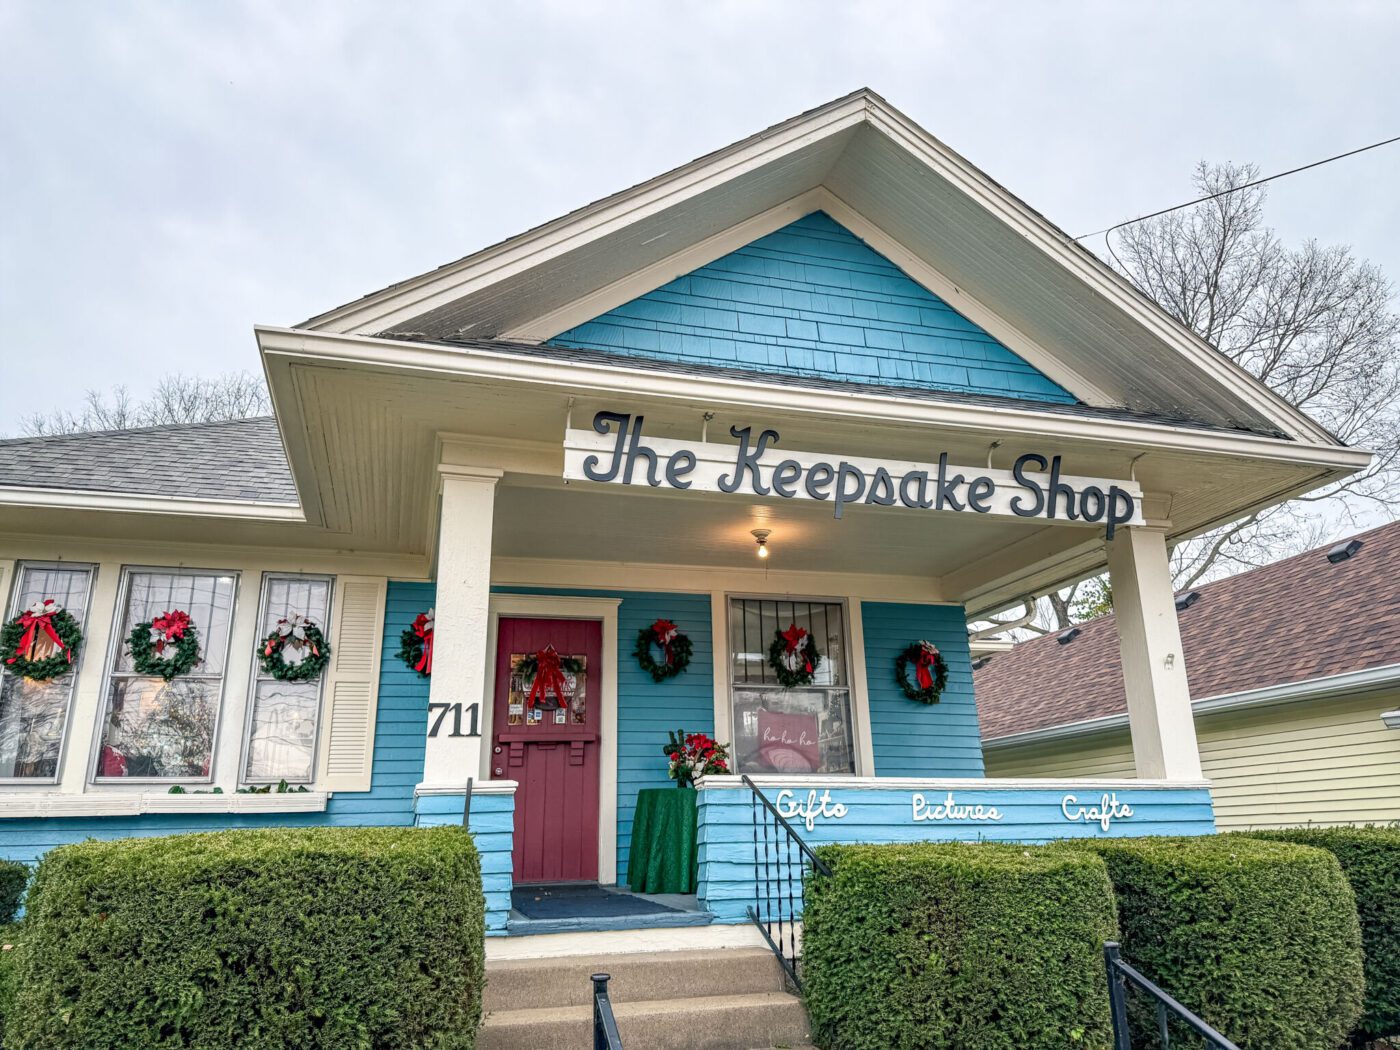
[
  {"x": 1291, "y": 692},
  {"x": 149, "y": 503}
]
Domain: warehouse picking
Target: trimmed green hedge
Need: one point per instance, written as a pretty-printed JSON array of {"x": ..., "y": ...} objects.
[
  {"x": 291, "y": 937},
  {"x": 1258, "y": 938},
  {"x": 9, "y": 960},
  {"x": 934, "y": 945},
  {"x": 1370, "y": 858},
  {"x": 13, "y": 877}
]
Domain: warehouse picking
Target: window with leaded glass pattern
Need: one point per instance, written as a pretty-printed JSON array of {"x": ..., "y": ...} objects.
[
  {"x": 34, "y": 714},
  {"x": 155, "y": 729},
  {"x": 283, "y": 716},
  {"x": 803, "y": 729}
]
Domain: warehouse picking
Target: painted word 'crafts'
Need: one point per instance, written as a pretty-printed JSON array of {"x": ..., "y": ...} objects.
[
  {"x": 1035, "y": 487},
  {"x": 1104, "y": 814},
  {"x": 949, "y": 809},
  {"x": 816, "y": 806}
]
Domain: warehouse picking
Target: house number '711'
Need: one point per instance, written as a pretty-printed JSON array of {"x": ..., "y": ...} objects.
[{"x": 473, "y": 713}]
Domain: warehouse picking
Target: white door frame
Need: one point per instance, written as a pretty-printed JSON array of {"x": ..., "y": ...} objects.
[{"x": 565, "y": 607}]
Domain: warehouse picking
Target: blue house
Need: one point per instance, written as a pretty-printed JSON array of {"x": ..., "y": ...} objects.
[{"x": 736, "y": 452}]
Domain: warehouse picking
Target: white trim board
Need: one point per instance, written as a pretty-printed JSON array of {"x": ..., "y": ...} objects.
[
  {"x": 1291, "y": 692},
  {"x": 823, "y": 782},
  {"x": 112, "y": 803},
  {"x": 567, "y": 607}
]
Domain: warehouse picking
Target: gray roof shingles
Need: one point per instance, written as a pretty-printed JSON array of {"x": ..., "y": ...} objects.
[{"x": 240, "y": 459}]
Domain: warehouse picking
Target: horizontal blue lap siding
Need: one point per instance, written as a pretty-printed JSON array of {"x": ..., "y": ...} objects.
[
  {"x": 647, "y": 710},
  {"x": 492, "y": 824},
  {"x": 727, "y": 853},
  {"x": 911, "y": 739},
  {"x": 398, "y": 766},
  {"x": 812, "y": 299}
]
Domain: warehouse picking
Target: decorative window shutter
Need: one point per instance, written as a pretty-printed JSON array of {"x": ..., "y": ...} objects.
[{"x": 347, "y": 751}]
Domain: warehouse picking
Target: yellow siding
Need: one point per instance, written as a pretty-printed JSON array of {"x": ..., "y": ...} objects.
[{"x": 1315, "y": 762}]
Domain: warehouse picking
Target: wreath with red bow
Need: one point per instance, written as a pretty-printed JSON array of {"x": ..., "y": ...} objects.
[
  {"x": 295, "y": 651},
  {"x": 675, "y": 647},
  {"x": 416, "y": 644},
  {"x": 794, "y": 657},
  {"x": 41, "y": 642},
  {"x": 545, "y": 671},
  {"x": 930, "y": 672},
  {"x": 165, "y": 646}
]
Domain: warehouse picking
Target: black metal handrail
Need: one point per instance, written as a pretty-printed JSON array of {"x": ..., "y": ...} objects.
[
  {"x": 779, "y": 867},
  {"x": 605, "y": 1035},
  {"x": 1120, "y": 974}
]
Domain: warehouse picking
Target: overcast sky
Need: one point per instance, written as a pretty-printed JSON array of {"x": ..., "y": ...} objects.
[{"x": 172, "y": 173}]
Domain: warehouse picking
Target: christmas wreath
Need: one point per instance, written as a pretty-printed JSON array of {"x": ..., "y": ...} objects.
[
  {"x": 416, "y": 644},
  {"x": 545, "y": 671},
  {"x": 794, "y": 657},
  {"x": 295, "y": 651},
  {"x": 930, "y": 672},
  {"x": 675, "y": 647},
  {"x": 41, "y": 642},
  {"x": 166, "y": 646}
]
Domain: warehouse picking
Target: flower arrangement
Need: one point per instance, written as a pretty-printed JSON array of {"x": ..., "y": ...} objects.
[{"x": 694, "y": 755}]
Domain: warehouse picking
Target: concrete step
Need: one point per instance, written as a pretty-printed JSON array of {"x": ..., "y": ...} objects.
[
  {"x": 718, "y": 1022},
  {"x": 539, "y": 983}
]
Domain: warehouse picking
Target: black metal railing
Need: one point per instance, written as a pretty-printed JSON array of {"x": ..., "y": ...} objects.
[
  {"x": 605, "y": 1035},
  {"x": 781, "y": 861},
  {"x": 1120, "y": 975}
]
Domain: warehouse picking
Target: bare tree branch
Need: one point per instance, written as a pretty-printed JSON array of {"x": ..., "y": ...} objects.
[{"x": 176, "y": 399}]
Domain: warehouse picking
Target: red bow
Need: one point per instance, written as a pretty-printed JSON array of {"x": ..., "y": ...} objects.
[
  {"x": 32, "y": 625},
  {"x": 423, "y": 628},
  {"x": 924, "y": 663},
  {"x": 664, "y": 631},
  {"x": 548, "y": 676},
  {"x": 171, "y": 626},
  {"x": 794, "y": 637}
]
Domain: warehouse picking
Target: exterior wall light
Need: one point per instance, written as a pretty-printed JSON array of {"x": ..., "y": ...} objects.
[{"x": 761, "y": 535}]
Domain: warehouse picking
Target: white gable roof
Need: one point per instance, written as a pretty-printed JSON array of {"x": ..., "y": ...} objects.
[{"x": 948, "y": 225}]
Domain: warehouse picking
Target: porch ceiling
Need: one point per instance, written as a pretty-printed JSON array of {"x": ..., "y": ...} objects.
[{"x": 366, "y": 422}]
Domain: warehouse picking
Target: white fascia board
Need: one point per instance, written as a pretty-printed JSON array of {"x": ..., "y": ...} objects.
[
  {"x": 88, "y": 499},
  {"x": 593, "y": 379},
  {"x": 1094, "y": 272},
  {"x": 1291, "y": 692},
  {"x": 418, "y": 295}
]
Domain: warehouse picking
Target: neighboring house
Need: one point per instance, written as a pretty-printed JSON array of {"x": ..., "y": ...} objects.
[
  {"x": 1295, "y": 678},
  {"x": 814, "y": 387}
]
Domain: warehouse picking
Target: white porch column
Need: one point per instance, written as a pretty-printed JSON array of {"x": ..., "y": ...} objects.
[
  {"x": 1154, "y": 670},
  {"x": 456, "y": 693}
]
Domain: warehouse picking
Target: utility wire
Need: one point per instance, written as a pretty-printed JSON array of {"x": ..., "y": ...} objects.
[{"x": 1236, "y": 189}]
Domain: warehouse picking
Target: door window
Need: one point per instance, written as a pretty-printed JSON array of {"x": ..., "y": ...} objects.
[{"x": 804, "y": 729}]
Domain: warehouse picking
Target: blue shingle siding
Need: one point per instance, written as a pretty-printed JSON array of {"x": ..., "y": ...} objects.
[
  {"x": 399, "y": 741},
  {"x": 912, "y": 739},
  {"x": 492, "y": 824},
  {"x": 813, "y": 299},
  {"x": 647, "y": 710}
]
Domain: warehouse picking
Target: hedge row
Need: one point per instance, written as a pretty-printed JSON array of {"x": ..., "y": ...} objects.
[
  {"x": 957, "y": 945},
  {"x": 1260, "y": 939},
  {"x": 13, "y": 877},
  {"x": 314, "y": 937},
  {"x": 1370, "y": 857},
  {"x": 944, "y": 945}
]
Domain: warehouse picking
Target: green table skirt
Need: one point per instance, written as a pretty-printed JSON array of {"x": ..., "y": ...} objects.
[{"x": 663, "y": 842}]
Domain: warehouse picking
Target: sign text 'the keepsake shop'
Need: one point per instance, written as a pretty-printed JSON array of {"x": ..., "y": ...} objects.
[{"x": 616, "y": 451}]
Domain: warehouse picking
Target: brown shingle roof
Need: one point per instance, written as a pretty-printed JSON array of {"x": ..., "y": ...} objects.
[{"x": 1294, "y": 620}]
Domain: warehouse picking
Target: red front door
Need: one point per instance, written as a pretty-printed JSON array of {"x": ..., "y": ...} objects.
[{"x": 551, "y": 749}]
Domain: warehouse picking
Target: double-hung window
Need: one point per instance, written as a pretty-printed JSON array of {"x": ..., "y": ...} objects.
[
  {"x": 283, "y": 716},
  {"x": 33, "y": 714},
  {"x": 803, "y": 729},
  {"x": 158, "y": 729}
]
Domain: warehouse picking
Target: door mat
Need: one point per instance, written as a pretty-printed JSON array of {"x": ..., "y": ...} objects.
[{"x": 583, "y": 900}]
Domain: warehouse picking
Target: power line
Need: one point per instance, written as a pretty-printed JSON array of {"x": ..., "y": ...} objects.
[{"x": 1236, "y": 189}]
